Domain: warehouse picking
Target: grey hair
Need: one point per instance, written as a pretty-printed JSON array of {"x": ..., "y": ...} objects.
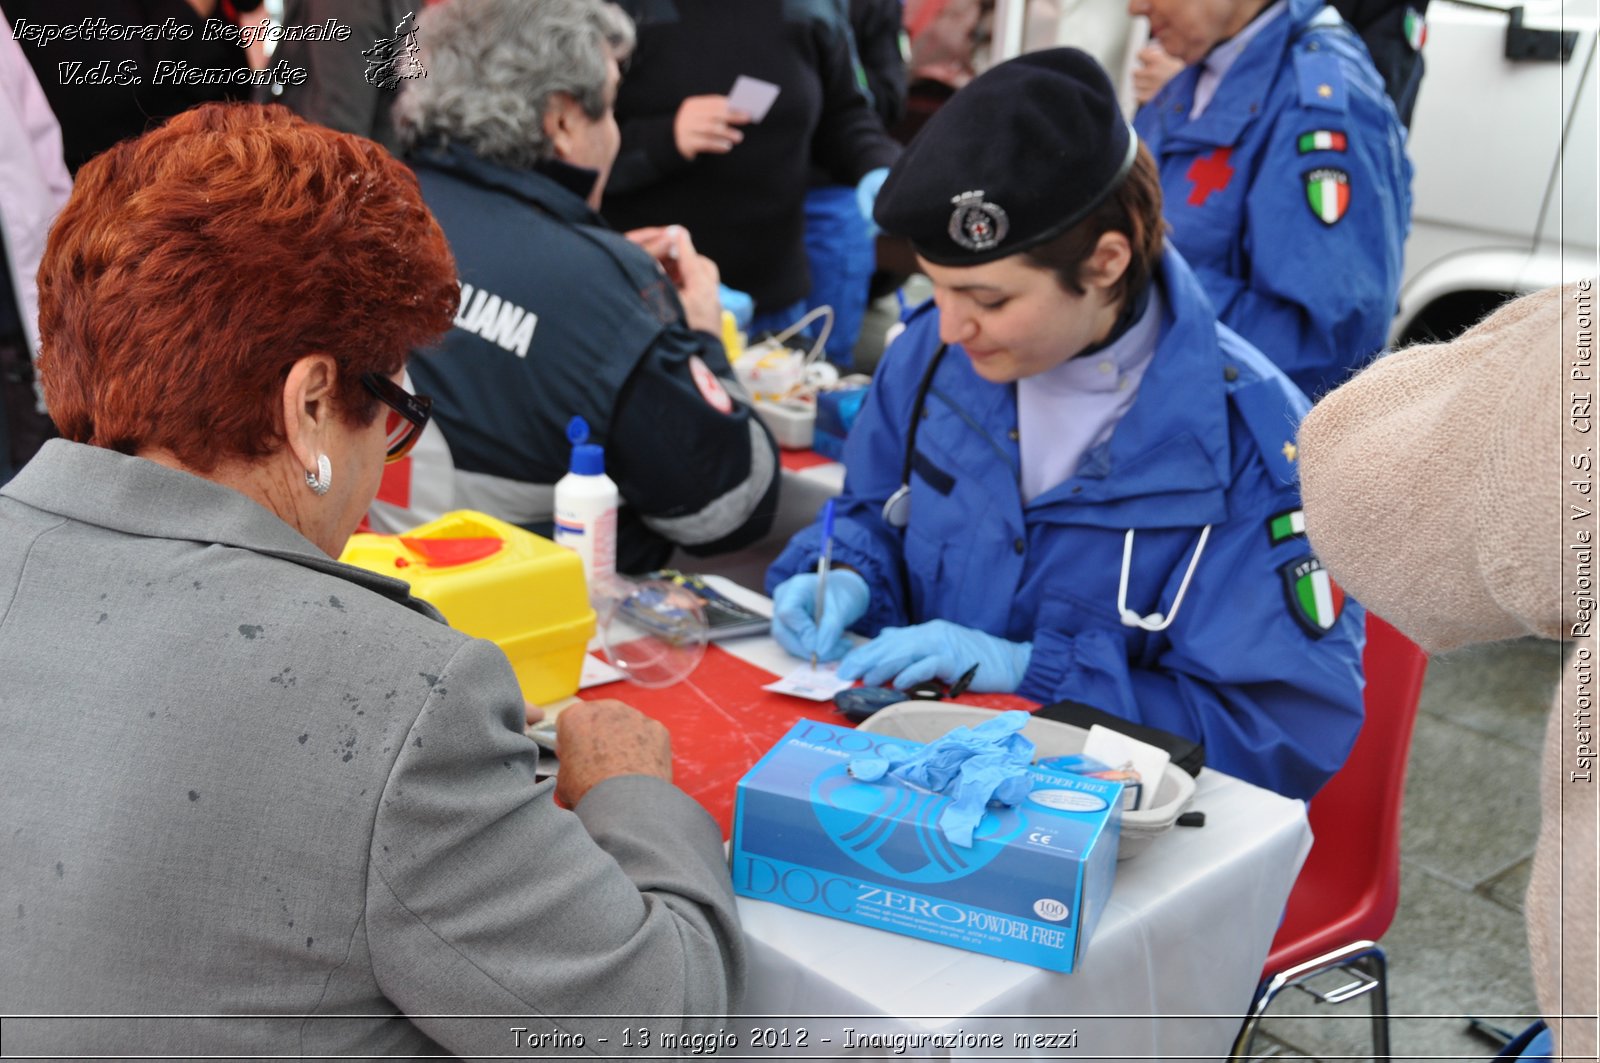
[{"x": 493, "y": 66}]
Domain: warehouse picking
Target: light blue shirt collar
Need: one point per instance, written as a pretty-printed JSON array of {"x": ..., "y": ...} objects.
[{"x": 1215, "y": 66}]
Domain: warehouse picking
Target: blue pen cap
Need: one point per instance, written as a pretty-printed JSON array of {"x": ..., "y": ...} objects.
[{"x": 588, "y": 459}]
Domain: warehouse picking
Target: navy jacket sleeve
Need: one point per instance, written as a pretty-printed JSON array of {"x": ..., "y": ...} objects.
[
  {"x": 878, "y": 32},
  {"x": 850, "y": 140},
  {"x": 687, "y": 450}
]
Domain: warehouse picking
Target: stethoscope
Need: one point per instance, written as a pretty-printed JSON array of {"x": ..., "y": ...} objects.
[{"x": 897, "y": 514}]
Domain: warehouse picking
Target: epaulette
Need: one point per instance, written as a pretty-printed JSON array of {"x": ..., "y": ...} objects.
[
  {"x": 1272, "y": 412},
  {"x": 1320, "y": 76}
]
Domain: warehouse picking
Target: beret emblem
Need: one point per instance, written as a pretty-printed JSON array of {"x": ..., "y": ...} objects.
[{"x": 976, "y": 225}]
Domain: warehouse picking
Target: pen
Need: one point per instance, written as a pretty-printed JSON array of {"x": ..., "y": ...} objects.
[
  {"x": 960, "y": 686},
  {"x": 822, "y": 569}
]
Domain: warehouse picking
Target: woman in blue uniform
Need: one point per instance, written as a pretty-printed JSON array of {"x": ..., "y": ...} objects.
[
  {"x": 1066, "y": 473},
  {"x": 1287, "y": 184}
]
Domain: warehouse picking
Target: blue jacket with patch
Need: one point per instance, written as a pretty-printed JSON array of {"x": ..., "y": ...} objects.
[
  {"x": 1291, "y": 194},
  {"x": 1250, "y": 665}
]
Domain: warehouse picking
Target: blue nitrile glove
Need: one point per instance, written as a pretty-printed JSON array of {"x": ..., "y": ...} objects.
[
  {"x": 972, "y": 765},
  {"x": 867, "y": 195},
  {"x": 938, "y": 649},
  {"x": 795, "y": 599},
  {"x": 740, "y": 304}
]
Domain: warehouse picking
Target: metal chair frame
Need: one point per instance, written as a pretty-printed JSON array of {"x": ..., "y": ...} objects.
[{"x": 1364, "y": 961}]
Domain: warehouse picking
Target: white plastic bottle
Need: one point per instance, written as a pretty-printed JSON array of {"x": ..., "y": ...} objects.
[{"x": 586, "y": 502}]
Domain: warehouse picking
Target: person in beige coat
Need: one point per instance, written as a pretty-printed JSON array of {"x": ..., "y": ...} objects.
[{"x": 1450, "y": 488}]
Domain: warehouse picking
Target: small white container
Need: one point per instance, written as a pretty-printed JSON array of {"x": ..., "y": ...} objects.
[
  {"x": 586, "y": 501},
  {"x": 793, "y": 422}
]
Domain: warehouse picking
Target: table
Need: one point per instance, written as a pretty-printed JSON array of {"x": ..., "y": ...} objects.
[{"x": 1168, "y": 973}]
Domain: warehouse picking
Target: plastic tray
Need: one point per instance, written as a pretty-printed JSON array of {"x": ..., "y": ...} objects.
[
  {"x": 792, "y": 422},
  {"x": 922, "y": 721}
]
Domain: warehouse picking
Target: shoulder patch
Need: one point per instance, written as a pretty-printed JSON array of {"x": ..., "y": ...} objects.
[
  {"x": 1320, "y": 79},
  {"x": 1273, "y": 418},
  {"x": 1281, "y": 527},
  {"x": 709, "y": 386},
  {"x": 1313, "y": 599},
  {"x": 1322, "y": 140},
  {"x": 1327, "y": 193}
]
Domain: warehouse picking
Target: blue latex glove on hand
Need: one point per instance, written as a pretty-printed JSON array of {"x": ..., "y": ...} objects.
[
  {"x": 938, "y": 650},
  {"x": 796, "y": 629},
  {"x": 867, "y": 195}
]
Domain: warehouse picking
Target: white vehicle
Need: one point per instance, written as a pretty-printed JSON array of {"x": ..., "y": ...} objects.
[{"x": 1504, "y": 144}]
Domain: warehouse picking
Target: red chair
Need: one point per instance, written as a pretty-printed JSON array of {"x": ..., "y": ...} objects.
[{"x": 1345, "y": 897}]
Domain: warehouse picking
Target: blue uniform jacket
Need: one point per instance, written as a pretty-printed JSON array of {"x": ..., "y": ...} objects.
[
  {"x": 1291, "y": 194},
  {"x": 1276, "y": 698}
]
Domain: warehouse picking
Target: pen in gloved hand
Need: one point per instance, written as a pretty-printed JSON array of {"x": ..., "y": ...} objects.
[{"x": 822, "y": 570}]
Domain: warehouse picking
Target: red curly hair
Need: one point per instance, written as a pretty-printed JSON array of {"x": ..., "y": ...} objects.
[{"x": 194, "y": 265}]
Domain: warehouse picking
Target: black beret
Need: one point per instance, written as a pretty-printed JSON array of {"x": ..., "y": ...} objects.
[{"x": 1022, "y": 153}]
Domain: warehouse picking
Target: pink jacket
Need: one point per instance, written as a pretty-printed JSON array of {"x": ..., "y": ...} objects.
[{"x": 34, "y": 182}]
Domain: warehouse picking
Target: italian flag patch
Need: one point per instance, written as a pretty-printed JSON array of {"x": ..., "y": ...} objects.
[
  {"x": 1322, "y": 140},
  {"x": 1328, "y": 193},
  {"x": 1416, "y": 30},
  {"x": 1314, "y": 600},
  {"x": 1290, "y": 524}
]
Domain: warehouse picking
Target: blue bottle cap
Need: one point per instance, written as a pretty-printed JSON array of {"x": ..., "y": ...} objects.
[{"x": 589, "y": 459}]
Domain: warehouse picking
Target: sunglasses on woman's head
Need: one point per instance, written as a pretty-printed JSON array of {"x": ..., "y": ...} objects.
[{"x": 407, "y": 417}]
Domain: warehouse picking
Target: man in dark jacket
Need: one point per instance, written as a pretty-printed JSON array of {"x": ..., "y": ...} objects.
[
  {"x": 512, "y": 137},
  {"x": 1393, "y": 31}
]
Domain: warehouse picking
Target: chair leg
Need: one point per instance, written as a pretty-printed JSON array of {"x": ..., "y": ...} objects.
[
  {"x": 1364, "y": 957},
  {"x": 1245, "y": 1038},
  {"x": 1378, "y": 967}
]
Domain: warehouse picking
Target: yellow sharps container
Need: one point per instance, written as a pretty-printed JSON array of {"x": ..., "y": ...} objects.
[{"x": 495, "y": 581}]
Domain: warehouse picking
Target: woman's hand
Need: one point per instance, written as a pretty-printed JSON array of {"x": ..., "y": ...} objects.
[
  {"x": 707, "y": 125},
  {"x": 938, "y": 650},
  {"x": 794, "y": 603},
  {"x": 1155, "y": 69}
]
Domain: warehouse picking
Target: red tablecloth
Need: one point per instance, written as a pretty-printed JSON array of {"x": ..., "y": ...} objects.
[
  {"x": 722, "y": 722},
  {"x": 795, "y": 460}
]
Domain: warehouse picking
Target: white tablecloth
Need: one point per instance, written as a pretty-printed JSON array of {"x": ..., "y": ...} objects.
[{"x": 1168, "y": 973}]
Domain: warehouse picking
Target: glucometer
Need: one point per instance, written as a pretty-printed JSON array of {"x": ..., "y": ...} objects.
[{"x": 858, "y": 703}]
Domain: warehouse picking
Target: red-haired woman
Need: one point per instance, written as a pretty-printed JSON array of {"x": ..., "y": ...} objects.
[{"x": 239, "y": 777}]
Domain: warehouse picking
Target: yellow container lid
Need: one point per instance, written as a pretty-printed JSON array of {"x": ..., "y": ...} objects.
[{"x": 495, "y": 581}]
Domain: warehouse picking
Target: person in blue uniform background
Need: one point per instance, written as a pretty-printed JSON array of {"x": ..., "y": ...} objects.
[
  {"x": 1100, "y": 499},
  {"x": 1285, "y": 177}
]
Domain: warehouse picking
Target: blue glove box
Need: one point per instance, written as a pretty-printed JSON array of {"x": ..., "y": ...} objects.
[
  {"x": 836, "y": 412},
  {"x": 1031, "y": 888}
]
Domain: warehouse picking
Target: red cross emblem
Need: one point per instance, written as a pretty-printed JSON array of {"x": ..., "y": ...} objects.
[{"x": 1210, "y": 173}]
